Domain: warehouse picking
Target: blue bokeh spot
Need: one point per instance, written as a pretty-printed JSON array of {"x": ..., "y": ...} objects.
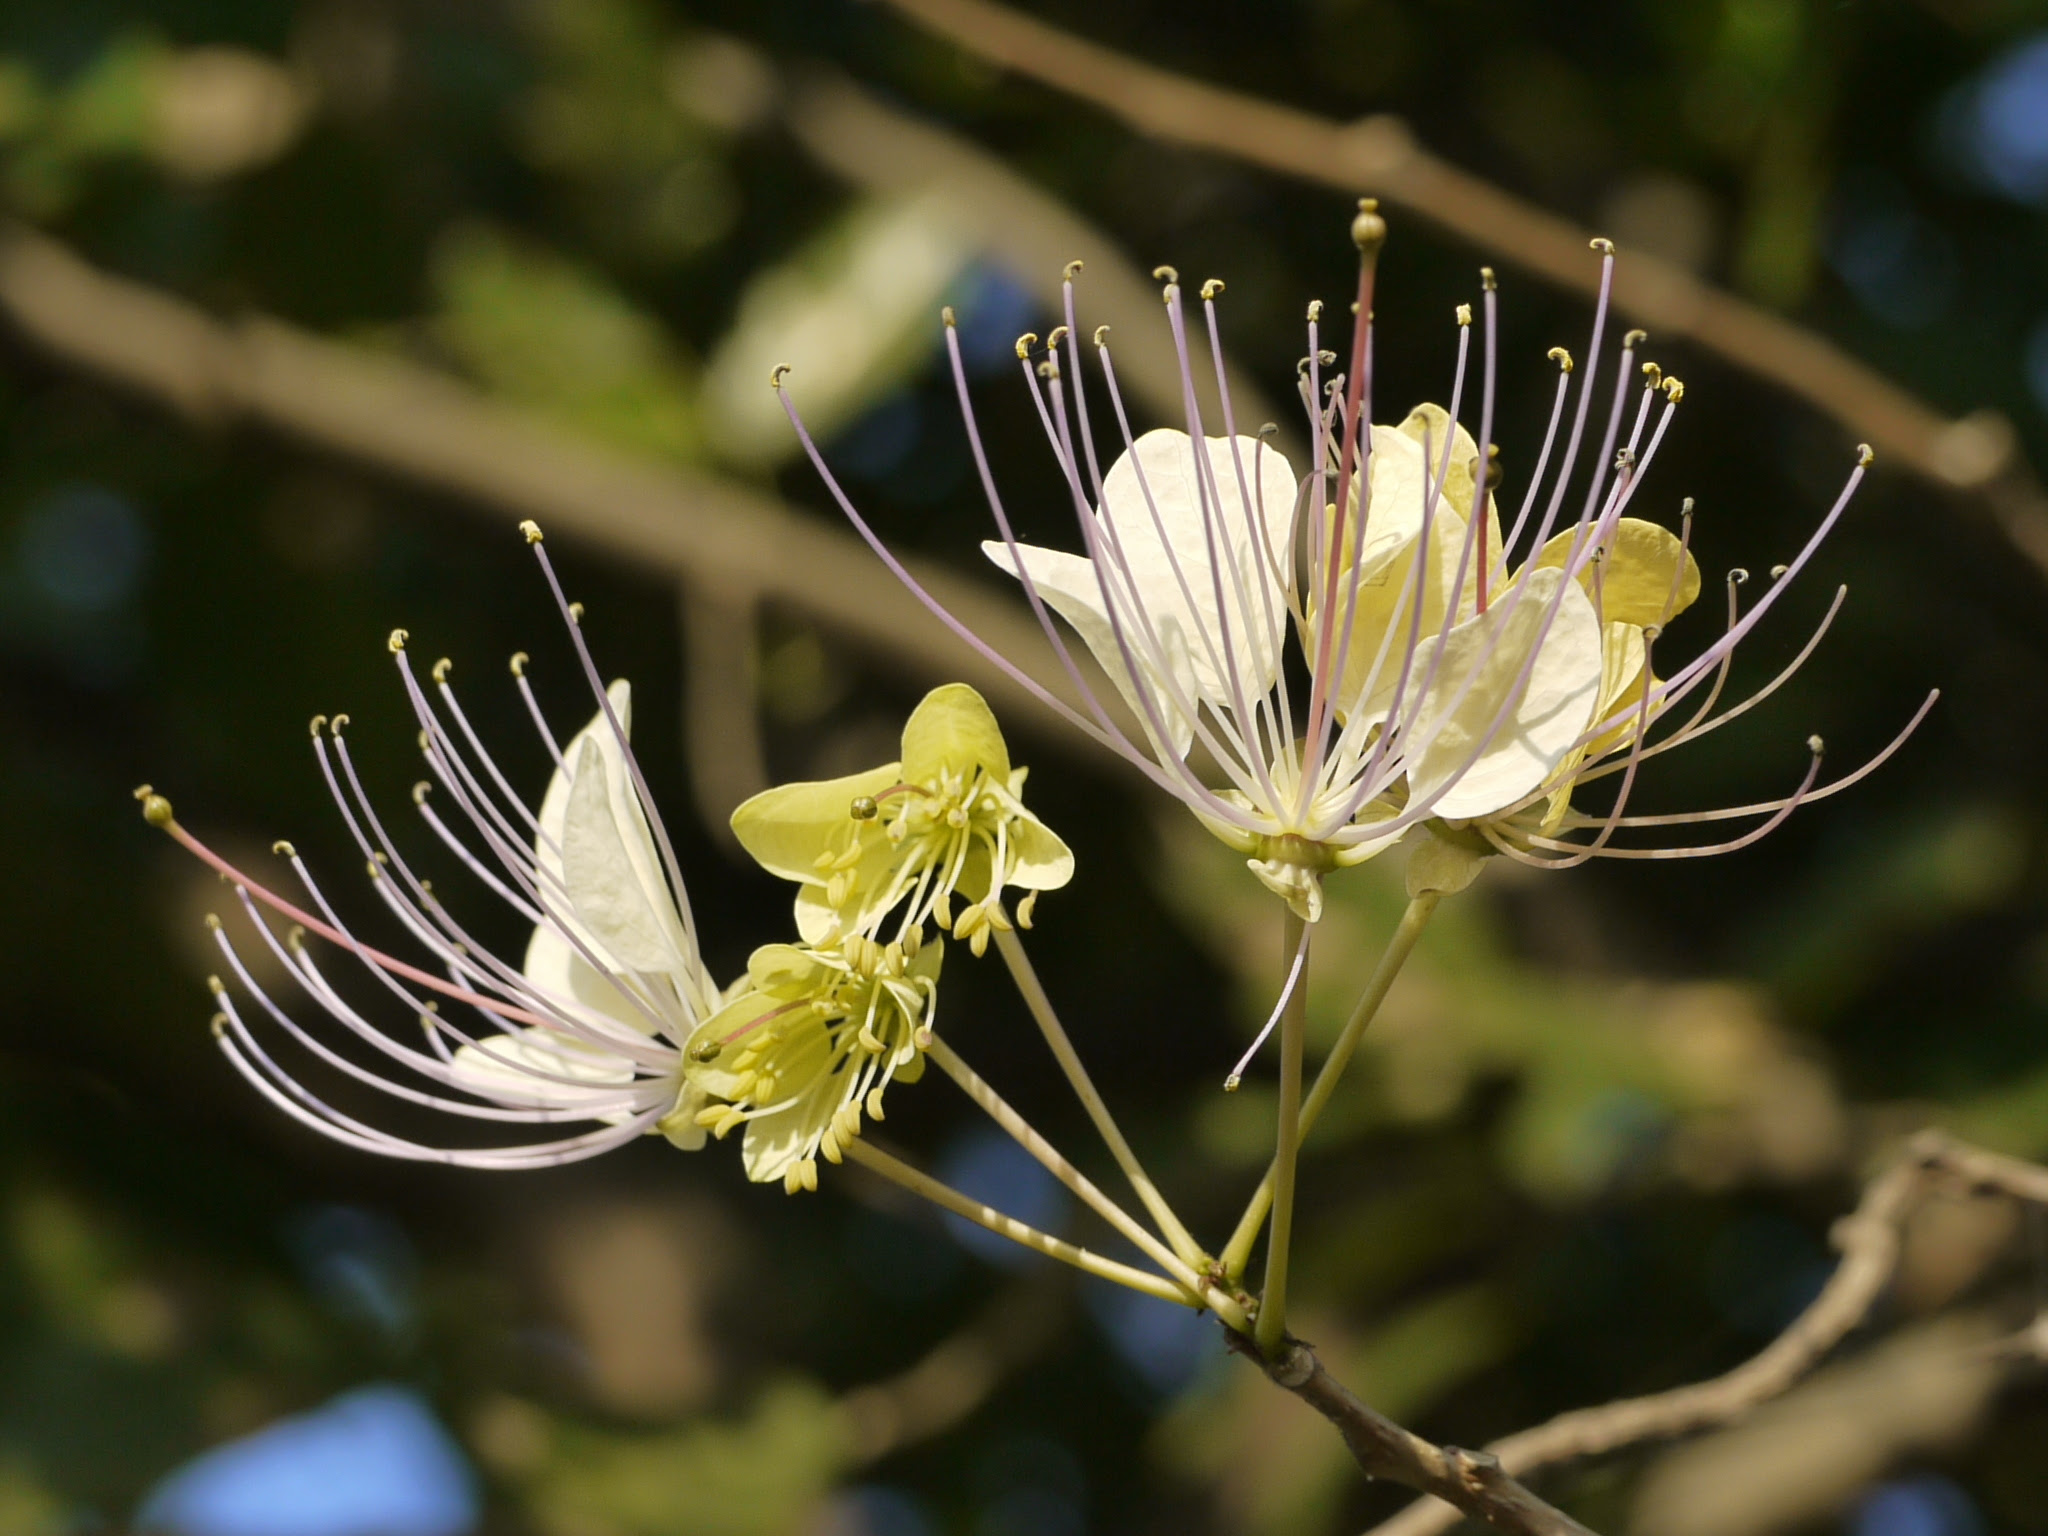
[{"x": 372, "y": 1462}]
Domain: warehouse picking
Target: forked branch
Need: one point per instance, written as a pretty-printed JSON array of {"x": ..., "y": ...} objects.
[{"x": 1869, "y": 1239}]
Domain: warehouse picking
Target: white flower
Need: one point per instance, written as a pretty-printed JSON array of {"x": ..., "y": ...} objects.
[
  {"x": 1436, "y": 684},
  {"x": 1433, "y": 688},
  {"x": 589, "y": 1029}
]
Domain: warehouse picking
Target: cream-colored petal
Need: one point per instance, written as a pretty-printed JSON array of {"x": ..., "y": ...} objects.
[
  {"x": 1646, "y": 577},
  {"x": 1070, "y": 588},
  {"x": 1488, "y": 652},
  {"x": 1384, "y": 617}
]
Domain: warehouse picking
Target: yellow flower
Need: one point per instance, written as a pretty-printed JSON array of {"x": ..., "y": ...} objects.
[
  {"x": 947, "y": 819},
  {"x": 809, "y": 1046}
]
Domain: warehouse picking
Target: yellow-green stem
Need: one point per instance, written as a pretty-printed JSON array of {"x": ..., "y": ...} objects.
[
  {"x": 1028, "y": 1137},
  {"x": 1237, "y": 1252},
  {"x": 1271, "y": 1327},
  {"x": 1035, "y": 998},
  {"x": 897, "y": 1171}
]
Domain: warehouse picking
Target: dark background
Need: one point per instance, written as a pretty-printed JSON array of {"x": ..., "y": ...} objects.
[{"x": 1597, "y": 1141}]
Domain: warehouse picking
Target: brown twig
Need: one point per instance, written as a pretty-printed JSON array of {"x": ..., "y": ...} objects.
[
  {"x": 409, "y": 421},
  {"x": 1379, "y": 154},
  {"x": 1474, "y": 1481},
  {"x": 1869, "y": 1240}
]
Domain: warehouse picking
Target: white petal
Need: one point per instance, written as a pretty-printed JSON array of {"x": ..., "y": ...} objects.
[
  {"x": 519, "y": 1069},
  {"x": 553, "y": 965},
  {"x": 1489, "y": 651},
  {"x": 1069, "y": 586},
  {"x": 612, "y": 872},
  {"x": 625, "y": 852},
  {"x": 1176, "y": 575}
]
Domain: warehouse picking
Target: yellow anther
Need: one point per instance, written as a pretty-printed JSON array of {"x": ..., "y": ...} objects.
[
  {"x": 518, "y": 663},
  {"x": 913, "y": 941},
  {"x": 1601, "y": 244},
  {"x": 1737, "y": 576},
  {"x": 1464, "y": 314},
  {"x": 397, "y": 641},
  {"x": 807, "y": 1170},
  {"x": 1211, "y": 288},
  {"x": 334, "y": 726},
  {"x": 1633, "y": 340},
  {"x": 420, "y": 791},
  {"x": 156, "y": 810},
  {"x": 1315, "y": 310},
  {"x": 828, "y": 1144},
  {"x": 1561, "y": 357},
  {"x": 295, "y": 940},
  {"x": 213, "y": 922},
  {"x": 441, "y": 670},
  {"x": 776, "y": 374},
  {"x": 1231, "y": 1083},
  {"x": 1815, "y": 745},
  {"x": 1368, "y": 229},
  {"x": 1865, "y": 456},
  {"x": 284, "y": 850},
  {"x": 947, "y": 317},
  {"x": 1779, "y": 570},
  {"x": 531, "y": 530},
  {"x": 1166, "y": 275},
  {"x": 313, "y": 727},
  {"x": 1487, "y": 280},
  {"x": 874, "y": 1103},
  {"x": 1653, "y": 376},
  {"x": 1052, "y": 342},
  {"x": 215, "y": 985},
  {"x": 1101, "y": 336},
  {"x": 375, "y": 872},
  {"x": 1073, "y": 269},
  {"x": 1025, "y": 343},
  {"x": 1674, "y": 390},
  {"x": 1026, "y": 908}
]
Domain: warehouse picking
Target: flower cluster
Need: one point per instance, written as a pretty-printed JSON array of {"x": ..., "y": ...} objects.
[{"x": 612, "y": 1019}]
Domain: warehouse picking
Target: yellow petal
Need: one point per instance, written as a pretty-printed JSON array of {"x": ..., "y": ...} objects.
[
  {"x": 953, "y": 731},
  {"x": 787, "y": 827},
  {"x": 1642, "y": 580},
  {"x": 1043, "y": 860}
]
